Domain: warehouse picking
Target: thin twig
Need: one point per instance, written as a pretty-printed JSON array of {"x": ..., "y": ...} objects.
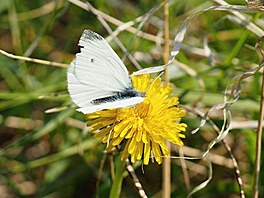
[
  {"x": 166, "y": 39},
  {"x": 108, "y": 28},
  {"x": 184, "y": 169},
  {"x": 119, "y": 23},
  {"x": 258, "y": 142},
  {"x": 250, "y": 26},
  {"x": 34, "y": 60},
  {"x": 137, "y": 183},
  {"x": 236, "y": 168},
  {"x": 100, "y": 175},
  {"x": 144, "y": 35},
  {"x": 146, "y": 17},
  {"x": 227, "y": 147}
]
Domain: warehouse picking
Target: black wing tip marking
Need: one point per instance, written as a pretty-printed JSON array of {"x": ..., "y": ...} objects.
[{"x": 90, "y": 35}]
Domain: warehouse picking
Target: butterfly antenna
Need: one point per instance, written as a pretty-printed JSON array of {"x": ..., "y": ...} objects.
[{"x": 154, "y": 81}]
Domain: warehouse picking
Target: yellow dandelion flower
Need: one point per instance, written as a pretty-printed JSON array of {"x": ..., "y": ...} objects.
[{"x": 144, "y": 128}]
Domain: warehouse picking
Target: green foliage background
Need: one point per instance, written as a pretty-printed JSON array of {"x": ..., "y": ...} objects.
[{"x": 52, "y": 155}]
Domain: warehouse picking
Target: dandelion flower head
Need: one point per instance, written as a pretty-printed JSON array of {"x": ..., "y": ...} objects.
[{"x": 142, "y": 130}]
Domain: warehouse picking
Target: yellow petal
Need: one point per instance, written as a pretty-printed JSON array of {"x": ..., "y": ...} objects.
[{"x": 146, "y": 153}]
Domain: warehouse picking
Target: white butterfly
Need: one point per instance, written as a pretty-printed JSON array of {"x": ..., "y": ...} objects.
[{"x": 98, "y": 79}]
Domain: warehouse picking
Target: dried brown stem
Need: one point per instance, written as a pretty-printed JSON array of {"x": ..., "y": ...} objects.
[
  {"x": 260, "y": 52},
  {"x": 136, "y": 181},
  {"x": 100, "y": 174},
  {"x": 34, "y": 60},
  {"x": 258, "y": 143},
  {"x": 227, "y": 147},
  {"x": 184, "y": 170},
  {"x": 166, "y": 171}
]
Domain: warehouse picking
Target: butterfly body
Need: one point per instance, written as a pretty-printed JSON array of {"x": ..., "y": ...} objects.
[
  {"x": 128, "y": 93},
  {"x": 98, "y": 79}
]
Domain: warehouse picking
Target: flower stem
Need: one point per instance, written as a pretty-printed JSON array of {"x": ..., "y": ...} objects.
[{"x": 117, "y": 184}]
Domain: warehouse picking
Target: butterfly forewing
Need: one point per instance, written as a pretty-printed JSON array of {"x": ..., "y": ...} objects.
[
  {"x": 97, "y": 58},
  {"x": 97, "y": 73}
]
